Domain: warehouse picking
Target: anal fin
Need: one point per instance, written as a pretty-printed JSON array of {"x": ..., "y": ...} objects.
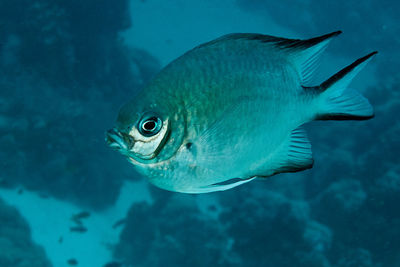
[{"x": 296, "y": 154}]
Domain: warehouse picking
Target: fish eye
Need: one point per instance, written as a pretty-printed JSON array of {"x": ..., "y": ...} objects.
[{"x": 150, "y": 125}]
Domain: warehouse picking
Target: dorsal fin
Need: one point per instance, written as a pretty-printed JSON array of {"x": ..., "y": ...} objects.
[
  {"x": 278, "y": 41},
  {"x": 304, "y": 54},
  {"x": 308, "y": 56}
]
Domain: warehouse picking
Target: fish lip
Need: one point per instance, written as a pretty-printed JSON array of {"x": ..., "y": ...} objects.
[
  {"x": 116, "y": 140},
  {"x": 123, "y": 143}
]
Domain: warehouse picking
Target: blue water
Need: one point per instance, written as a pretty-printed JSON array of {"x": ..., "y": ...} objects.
[{"x": 67, "y": 66}]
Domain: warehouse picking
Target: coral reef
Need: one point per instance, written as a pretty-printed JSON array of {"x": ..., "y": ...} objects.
[
  {"x": 16, "y": 246},
  {"x": 266, "y": 229},
  {"x": 173, "y": 233},
  {"x": 64, "y": 74}
]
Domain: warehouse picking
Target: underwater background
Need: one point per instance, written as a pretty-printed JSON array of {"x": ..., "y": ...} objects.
[{"x": 66, "y": 199}]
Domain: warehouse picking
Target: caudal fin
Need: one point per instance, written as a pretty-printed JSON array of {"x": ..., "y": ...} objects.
[{"x": 337, "y": 102}]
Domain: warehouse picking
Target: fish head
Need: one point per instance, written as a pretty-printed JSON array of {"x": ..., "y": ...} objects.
[
  {"x": 141, "y": 140},
  {"x": 148, "y": 131}
]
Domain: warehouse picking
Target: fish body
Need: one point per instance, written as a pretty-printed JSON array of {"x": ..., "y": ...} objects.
[{"x": 230, "y": 110}]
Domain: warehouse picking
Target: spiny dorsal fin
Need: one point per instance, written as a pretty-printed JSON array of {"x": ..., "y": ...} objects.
[
  {"x": 278, "y": 41},
  {"x": 305, "y": 54}
]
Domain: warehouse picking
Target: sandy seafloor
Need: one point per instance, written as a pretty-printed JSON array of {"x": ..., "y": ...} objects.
[
  {"x": 50, "y": 220},
  {"x": 165, "y": 30}
]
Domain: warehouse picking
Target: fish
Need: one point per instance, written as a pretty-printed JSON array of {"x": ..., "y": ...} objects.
[
  {"x": 232, "y": 110},
  {"x": 72, "y": 262},
  {"x": 113, "y": 264},
  {"x": 78, "y": 217},
  {"x": 119, "y": 223},
  {"x": 81, "y": 215},
  {"x": 78, "y": 229}
]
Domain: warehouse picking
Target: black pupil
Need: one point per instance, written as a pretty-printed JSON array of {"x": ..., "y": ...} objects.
[{"x": 149, "y": 125}]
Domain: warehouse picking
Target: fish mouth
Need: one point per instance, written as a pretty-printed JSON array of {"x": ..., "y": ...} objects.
[
  {"x": 135, "y": 146},
  {"x": 117, "y": 140}
]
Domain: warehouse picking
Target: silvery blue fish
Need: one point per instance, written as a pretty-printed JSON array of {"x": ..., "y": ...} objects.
[{"x": 231, "y": 110}]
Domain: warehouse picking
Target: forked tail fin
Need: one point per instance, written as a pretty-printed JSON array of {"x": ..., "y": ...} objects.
[{"x": 337, "y": 102}]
